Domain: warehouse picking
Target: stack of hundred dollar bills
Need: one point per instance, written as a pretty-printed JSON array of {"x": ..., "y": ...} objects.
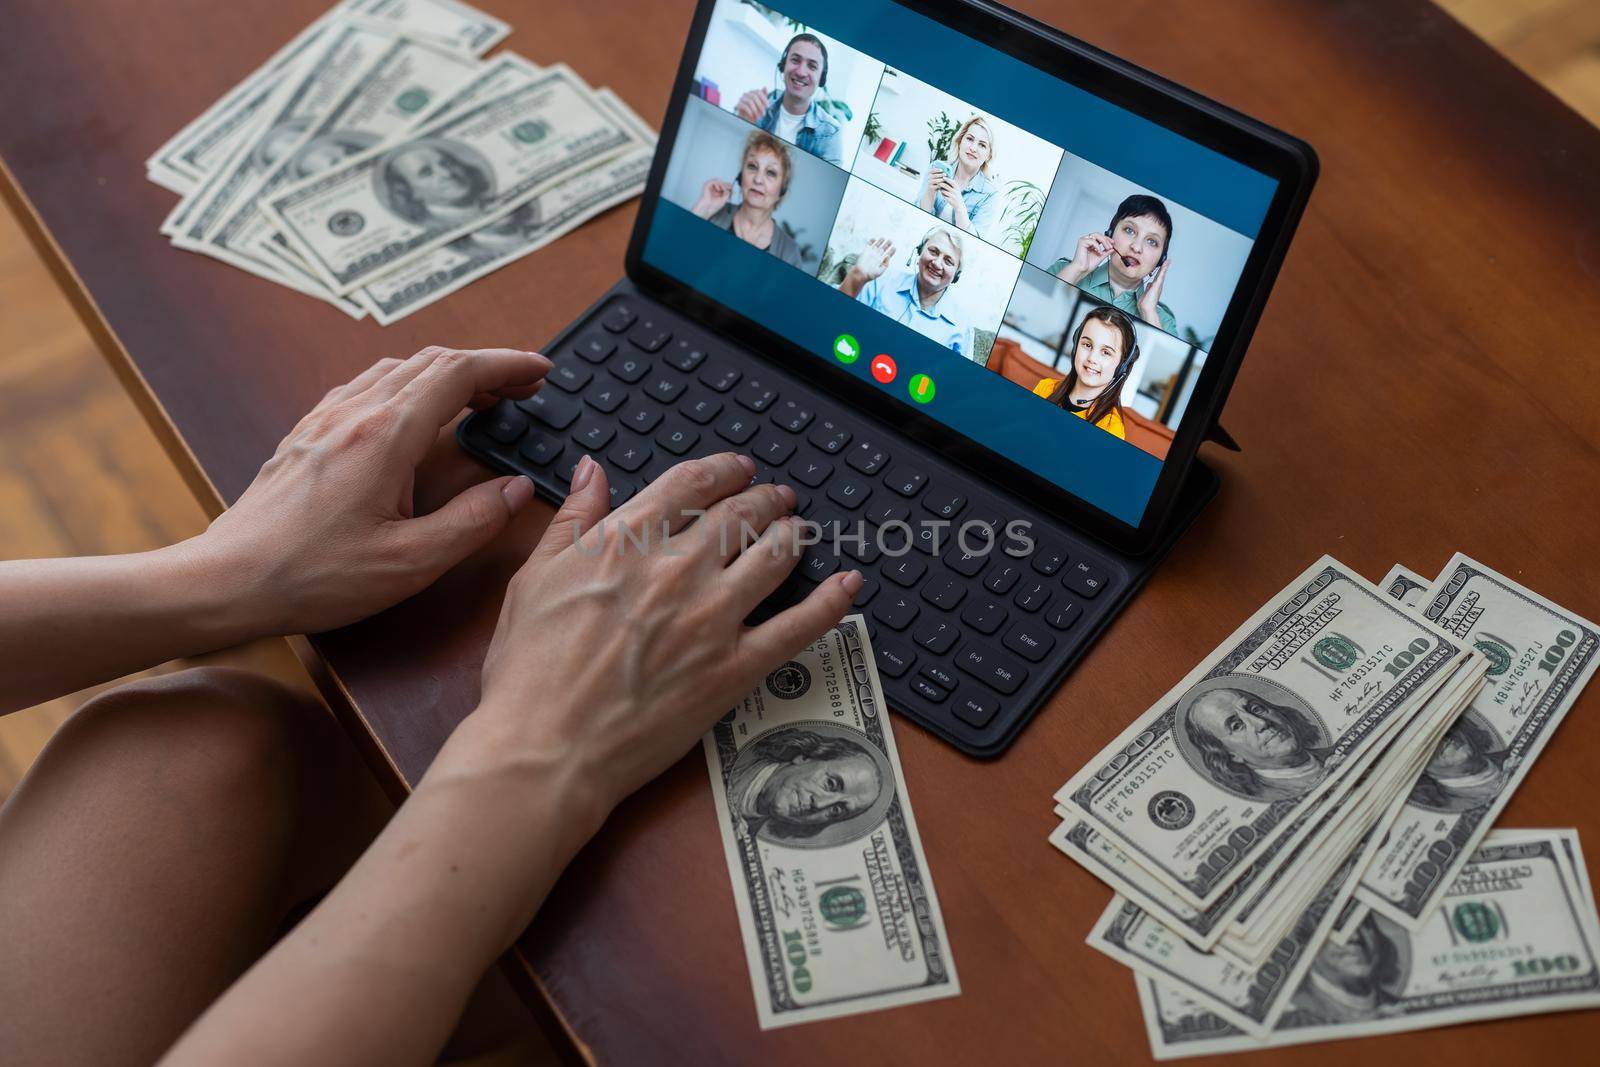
[
  {"x": 375, "y": 162},
  {"x": 1299, "y": 832}
]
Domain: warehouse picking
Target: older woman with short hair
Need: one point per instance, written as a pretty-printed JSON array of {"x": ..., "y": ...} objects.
[{"x": 765, "y": 173}]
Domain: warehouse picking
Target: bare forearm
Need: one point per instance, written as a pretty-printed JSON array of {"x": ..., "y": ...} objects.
[
  {"x": 381, "y": 970},
  {"x": 69, "y": 623}
]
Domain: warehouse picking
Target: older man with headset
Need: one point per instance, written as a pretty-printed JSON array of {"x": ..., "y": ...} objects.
[
  {"x": 790, "y": 112},
  {"x": 917, "y": 297}
]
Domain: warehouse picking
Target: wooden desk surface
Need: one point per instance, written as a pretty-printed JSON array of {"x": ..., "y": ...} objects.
[{"x": 1424, "y": 379}]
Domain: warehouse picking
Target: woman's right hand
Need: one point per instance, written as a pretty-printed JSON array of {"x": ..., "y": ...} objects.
[
  {"x": 609, "y": 661},
  {"x": 713, "y": 195},
  {"x": 1092, "y": 250}
]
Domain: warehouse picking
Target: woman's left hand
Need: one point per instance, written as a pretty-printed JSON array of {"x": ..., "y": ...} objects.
[
  {"x": 1150, "y": 299},
  {"x": 326, "y": 534}
]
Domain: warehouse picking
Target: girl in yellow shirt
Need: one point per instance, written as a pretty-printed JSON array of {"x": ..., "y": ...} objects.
[{"x": 1104, "y": 349}]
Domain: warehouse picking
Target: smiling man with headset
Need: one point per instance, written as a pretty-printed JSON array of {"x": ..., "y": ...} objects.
[
  {"x": 917, "y": 297},
  {"x": 790, "y": 112}
]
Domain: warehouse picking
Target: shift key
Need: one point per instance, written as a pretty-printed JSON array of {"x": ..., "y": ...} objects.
[{"x": 992, "y": 668}]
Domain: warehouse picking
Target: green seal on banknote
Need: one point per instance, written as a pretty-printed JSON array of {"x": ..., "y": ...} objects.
[
  {"x": 531, "y": 132},
  {"x": 843, "y": 907},
  {"x": 1475, "y": 921},
  {"x": 412, "y": 100},
  {"x": 1337, "y": 652},
  {"x": 789, "y": 682},
  {"x": 1498, "y": 655}
]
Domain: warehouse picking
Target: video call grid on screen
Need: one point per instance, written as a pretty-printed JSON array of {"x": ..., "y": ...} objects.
[{"x": 1044, "y": 238}]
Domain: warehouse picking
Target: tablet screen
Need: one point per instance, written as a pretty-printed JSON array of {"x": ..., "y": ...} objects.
[{"x": 1036, "y": 268}]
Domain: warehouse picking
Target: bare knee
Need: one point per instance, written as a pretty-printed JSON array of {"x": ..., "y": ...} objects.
[{"x": 214, "y": 734}]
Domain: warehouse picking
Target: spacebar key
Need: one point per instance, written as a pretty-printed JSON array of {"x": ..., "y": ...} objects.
[{"x": 992, "y": 668}]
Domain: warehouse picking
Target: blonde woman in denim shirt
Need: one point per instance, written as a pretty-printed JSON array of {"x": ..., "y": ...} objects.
[{"x": 960, "y": 190}]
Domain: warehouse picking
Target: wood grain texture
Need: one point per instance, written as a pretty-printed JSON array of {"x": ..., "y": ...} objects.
[{"x": 1421, "y": 381}]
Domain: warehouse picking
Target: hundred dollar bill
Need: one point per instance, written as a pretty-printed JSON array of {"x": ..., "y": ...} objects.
[
  {"x": 835, "y": 903},
  {"x": 385, "y": 99},
  {"x": 396, "y": 202},
  {"x": 1211, "y": 776},
  {"x": 1540, "y": 657},
  {"x": 540, "y": 221},
  {"x": 194, "y": 151},
  {"x": 1517, "y": 935},
  {"x": 1405, "y": 585},
  {"x": 312, "y": 87},
  {"x": 1250, "y": 998}
]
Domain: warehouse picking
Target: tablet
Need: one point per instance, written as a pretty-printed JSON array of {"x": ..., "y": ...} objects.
[{"x": 1038, "y": 259}]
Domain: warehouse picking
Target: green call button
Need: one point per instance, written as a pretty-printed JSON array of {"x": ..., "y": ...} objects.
[{"x": 846, "y": 348}]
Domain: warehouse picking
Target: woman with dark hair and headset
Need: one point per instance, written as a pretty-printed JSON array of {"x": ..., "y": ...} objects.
[
  {"x": 1127, "y": 265},
  {"x": 763, "y": 181},
  {"x": 1104, "y": 349}
]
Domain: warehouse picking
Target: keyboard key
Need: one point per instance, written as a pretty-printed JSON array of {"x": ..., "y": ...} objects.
[
  {"x": 848, "y": 492},
  {"x": 569, "y": 376},
  {"x": 792, "y": 416},
  {"x": 641, "y": 417},
  {"x": 937, "y": 636},
  {"x": 1029, "y": 640},
  {"x": 965, "y": 564},
  {"x": 677, "y": 438},
  {"x": 1063, "y": 615},
  {"x": 1018, "y": 541},
  {"x": 906, "y": 571},
  {"x": 992, "y": 668},
  {"x": 869, "y": 589},
  {"x": 505, "y": 423},
  {"x": 650, "y": 335},
  {"x": 659, "y": 464},
  {"x": 818, "y": 562},
  {"x": 896, "y": 612},
  {"x": 1001, "y": 577},
  {"x": 905, "y": 481},
  {"x": 894, "y": 659},
  {"x": 943, "y": 591},
  {"x": 939, "y": 676},
  {"x": 736, "y": 428},
  {"x": 606, "y": 396},
  {"x": 830, "y": 437},
  {"x": 975, "y": 709},
  {"x": 700, "y": 406},
  {"x": 552, "y": 409},
  {"x": 541, "y": 448},
  {"x": 887, "y": 509},
  {"x": 755, "y": 395},
  {"x": 985, "y": 615},
  {"x": 630, "y": 368},
  {"x": 1047, "y": 559},
  {"x": 594, "y": 435},
  {"x": 928, "y": 691},
  {"x": 867, "y": 458},
  {"x": 630, "y": 455},
  {"x": 774, "y": 451},
  {"x": 619, "y": 318},
  {"x": 1084, "y": 579},
  {"x": 621, "y": 492},
  {"x": 931, "y": 537},
  {"x": 684, "y": 356},
  {"x": 664, "y": 387},
  {"x": 860, "y": 543},
  {"x": 1033, "y": 596},
  {"x": 721, "y": 377},
  {"x": 567, "y": 465},
  {"x": 596, "y": 348},
  {"x": 811, "y": 471},
  {"x": 944, "y": 504}
]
